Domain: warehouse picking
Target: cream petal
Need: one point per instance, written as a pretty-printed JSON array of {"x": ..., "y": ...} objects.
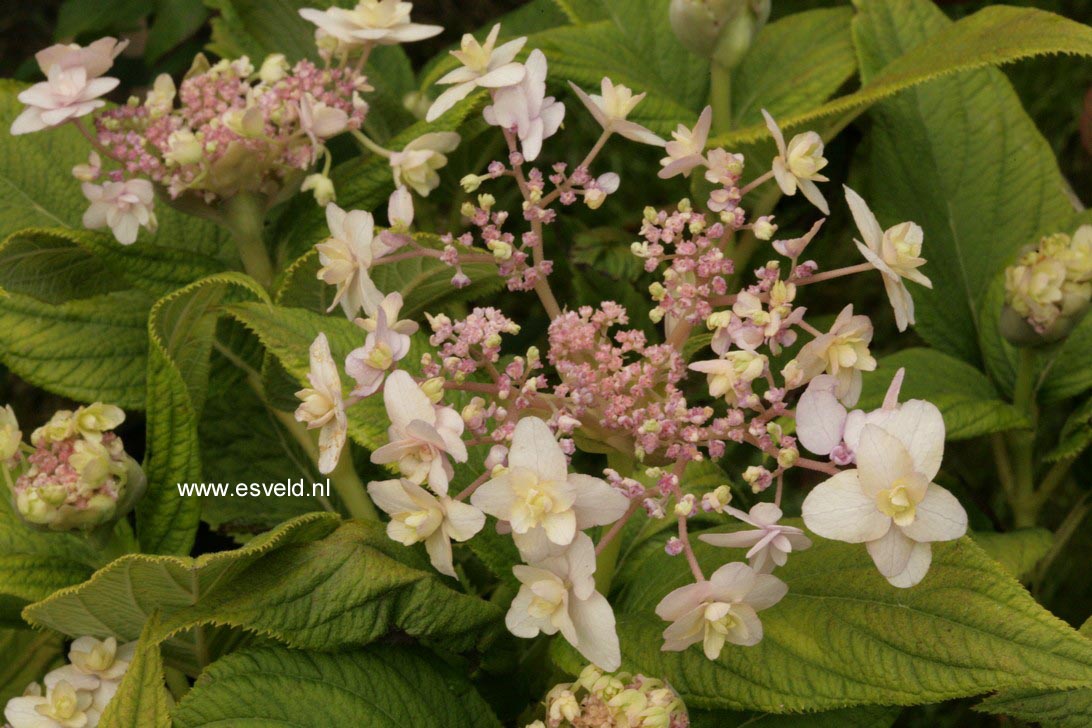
[
  {"x": 775, "y": 132},
  {"x": 731, "y": 582},
  {"x": 813, "y": 195},
  {"x": 891, "y": 553},
  {"x": 519, "y": 620},
  {"x": 597, "y": 637},
  {"x": 917, "y": 566},
  {"x": 560, "y": 527},
  {"x": 462, "y": 520},
  {"x": 737, "y": 540},
  {"x": 938, "y": 517},
  {"x": 820, "y": 417},
  {"x": 447, "y": 99},
  {"x": 534, "y": 448},
  {"x": 682, "y": 600},
  {"x": 767, "y": 591},
  {"x": 597, "y": 503},
  {"x": 748, "y": 631},
  {"x": 495, "y": 497},
  {"x": 405, "y": 401},
  {"x": 391, "y": 496},
  {"x": 881, "y": 460},
  {"x": 438, "y": 547},
  {"x": 920, "y": 427},
  {"x": 865, "y": 219},
  {"x": 838, "y": 509}
]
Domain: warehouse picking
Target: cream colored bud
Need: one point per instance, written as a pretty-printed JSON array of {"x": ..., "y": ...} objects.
[
  {"x": 274, "y": 68},
  {"x": 470, "y": 183},
  {"x": 433, "y": 389},
  {"x": 321, "y": 186},
  {"x": 787, "y": 457}
]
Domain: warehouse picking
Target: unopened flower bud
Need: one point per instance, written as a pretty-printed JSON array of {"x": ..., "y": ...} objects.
[
  {"x": 321, "y": 186},
  {"x": 183, "y": 147},
  {"x": 274, "y": 68},
  {"x": 787, "y": 457},
  {"x": 433, "y": 389},
  {"x": 10, "y": 436},
  {"x": 718, "y": 30},
  {"x": 764, "y": 228},
  {"x": 471, "y": 182},
  {"x": 416, "y": 103},
  {"x": 686, "y": 506}
]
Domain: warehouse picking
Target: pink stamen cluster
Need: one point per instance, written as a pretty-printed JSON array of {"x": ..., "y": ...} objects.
[
  {"x": 619, "y": 382},
  {"x": 230, "y": 130},
  {"x": 696, "y": 266}
]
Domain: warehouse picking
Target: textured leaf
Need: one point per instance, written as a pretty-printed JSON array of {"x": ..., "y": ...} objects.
[
  {"x": 1076, "y": 434},
  {"x": 257, "y": 27},
  {"x": 968, "y": 401},
  {"x": 90, "y": 349},
  {"x": 142, "y": 700},
  {"x": 994, "y": 35},
  {"x": 971, "y": 138},
  {"x": 794, "y": 64},
  {"x": 28, "y": 655},
  {"x": 843, "y": 636},
  {"x": 1018, "y": 551},
  {"x": 582, "y": 11},
  {"x": 869, "y": 716},
  {"x": 118, "y": 599},
  {"x": 350, "y": 588},
  {"x": 175, "y": 21},
  {"x": 379, "y": 686},
  {"x": 1069, "y": 374},
  {"x": 181, "y": 329},
  {"x": 39, "y": 191},
  {"x": 59, "y": 264}
]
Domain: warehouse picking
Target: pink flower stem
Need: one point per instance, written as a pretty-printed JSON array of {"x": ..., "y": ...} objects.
[
  {"x": 542, "y": 285},
  {"x": 478, "y": 482},
  {"x": 472, "y": 387},
  {"x": 780, "y": 487},
  {"x": 94, "y": 142},
  {"x": 588, "y": 159},
  {"x": 617, "y": 527},
  {"x": 755, "y": 183},
  {"x": 836, "y": 273},
  {"x": 695, "y": 569},
  {"x": 809, "y": 328}
]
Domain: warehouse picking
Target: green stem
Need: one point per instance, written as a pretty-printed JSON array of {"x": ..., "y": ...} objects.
[
  {"x": 350, "y": 488},
  {"x": 245, "y": 218},
  {"x": 1025, "y": 507},
  {"x": 720, "y": 97},
  {"x": 177, "y": 682}
]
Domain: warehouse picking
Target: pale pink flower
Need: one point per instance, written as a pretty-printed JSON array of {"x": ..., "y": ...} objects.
[
  {"x": 794, "y": 247},
  {"x": 842, "y": 352},
  {"x": 825, "y": 427},
  {"x": 770, "y": 543},
  {"x": 484, "y": 65},
  {"x": 722, "y": 609},
  {"x": 797, "y": 165},
  {"x": 369, "y": 364},
  {"x": 124, "y": 207},
  {"x": 347, "y": 256},
  {"x": 611, "y": 109},
  {"x": 383, "y": 22},
  {"x": 322, "y": 405},
  {"x": 320, "y": 122},
  {"x": 889, "y": 502},
  {"x": 66, "y": 94},
  {"x": 526, "y": 110},
  {"x": 896, "y": 253},
  {"x": 557, "y": 594},
  {"x": 417, "y": 515},
  {"x": 96, "y": 59},
  {"x": 415, "y": 166},
  {"x": 687, "y": 148},
  {"x": 731, "y": 375},
  {"x": 544, "y": 503},
  {"x": 422, "y": 436}
]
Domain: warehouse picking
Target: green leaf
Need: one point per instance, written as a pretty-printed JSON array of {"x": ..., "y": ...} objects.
[
  {"x": 1058, "y": 709},
  {"x": 349, "y": 588},
  {"x": 869, "y": 716},
  {"x": 256, "y": 28},
  {"x": 582, "y": 11},
  {"x": 970, "y": 404},
  {"x": 60, "y": 264},
  {"x": 34, "y": 564},
  {"x": 1076, "y": 434},
  {"x": 993, "y": 36},
  {"x": 794, "y": 64},
  {"x": 962, "y": 169},
  {"x": 1069, "y": 374},
  {"x": 379, "y": 686},
  {"x": 90, "y": 349},
  {"x": 1018, "y": 551},
  {"x": 39, "y": 191},
  {"x": 78, "y": 17},
  {"x": 141, "y": 700},
  {"x": 181, "y": 329},
  {"x": 175, "y": 21},
  {"x": 843, "y": 636},
  {"x": 108, "y": 604},
  {"x": 28, "y": 655},
  {"x": 304, "y": 584}
]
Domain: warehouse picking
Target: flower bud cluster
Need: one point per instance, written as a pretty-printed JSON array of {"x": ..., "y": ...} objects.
[
  {"x": 1050, "y": 286},
  {"x": 597, "y": 699},
  {"x": 79, "y": 475}
]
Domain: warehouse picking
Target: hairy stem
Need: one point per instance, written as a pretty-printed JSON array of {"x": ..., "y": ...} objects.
[{"x": 1025, "y": 508}]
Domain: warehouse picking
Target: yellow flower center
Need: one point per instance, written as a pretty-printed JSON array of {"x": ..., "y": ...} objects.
[{"x": 897, "y": 503}]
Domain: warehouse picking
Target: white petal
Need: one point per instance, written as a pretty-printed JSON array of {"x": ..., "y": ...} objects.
[
  {"x": 560, "y": 527},
  {"x": 462, "y": 520},
  {"x": 507, "y": 75},
  {"x": 748, "y": 632},
  {"x": 916, "y": 567},
  {"x": 731, "y": 582},
  {"x": 838, "y": 509},
  {"x": 820, "y": 417},
  {"x": 439, "y": 552},
  {"x": 775, "y": 132},
  {"x": 447, "y": 99},
  {"x": 597, "y": 638},
  {"x": 767, "y": 591},
  {"x": 920, "y": 427},
  {"x": 519, "y": 620},
  {"x": 938, "y": 517},
  {"x": 866, "y": 221},
  {"x": 495, "y": 497},
  {"x": 814, "y": 196},
  {"x": 405, "y": 401},
  {"x": 597, "y": 503},
  {"x": 881, "y": 460},
  {"x": 391, "y": 496},
  {"x": 534, "y": 448},
  {"x": 892, "y": 552},
  {"x": 682, "y": 600},
  {"x": 737, "y": 540}
]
